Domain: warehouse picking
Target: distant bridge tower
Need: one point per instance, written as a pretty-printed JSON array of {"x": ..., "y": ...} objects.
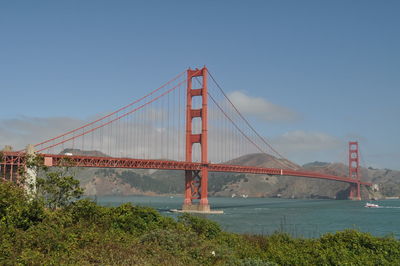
[
  {"x": 196, "y": 181},
  {"x": 354, "y": 170}
]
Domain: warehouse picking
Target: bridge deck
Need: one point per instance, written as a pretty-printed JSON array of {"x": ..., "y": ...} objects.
[{"x": 14, "y": 158}]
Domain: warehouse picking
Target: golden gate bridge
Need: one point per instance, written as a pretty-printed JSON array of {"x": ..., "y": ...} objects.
[{"x": 187, "y": 124}]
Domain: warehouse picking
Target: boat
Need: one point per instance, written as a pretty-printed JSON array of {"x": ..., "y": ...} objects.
[{"x": 371, "y": 205}]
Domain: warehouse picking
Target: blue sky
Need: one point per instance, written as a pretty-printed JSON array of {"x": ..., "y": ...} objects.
[{"x": 335, "y": 64}]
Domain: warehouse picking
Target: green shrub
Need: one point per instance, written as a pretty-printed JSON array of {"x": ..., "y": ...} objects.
[
  {"x": 203, "y": 227},
  {"x": 84, "y": 233},
  {"x": 361, "y": 247},
  {"x": 86, "y": 210},
  {"x": 136, "y": 219},
  {"x": 17, "y": 210},
  {"x": 58, "y": 189},
  {"x": 255, "y": 262}
]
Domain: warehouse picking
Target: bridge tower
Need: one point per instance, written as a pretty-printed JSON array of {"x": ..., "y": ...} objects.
[
  {"x": 196, "y": 181},
  {"x": 354, "y": 170}
]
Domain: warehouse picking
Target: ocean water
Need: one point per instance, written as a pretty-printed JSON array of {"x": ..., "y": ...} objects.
[{"x": 299, "y": 218}]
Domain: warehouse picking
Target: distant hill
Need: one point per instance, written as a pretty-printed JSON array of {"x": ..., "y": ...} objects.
[
  {"x": 263, "y": 160},
  {"x": 387, "y": 182},
  {"x": 84, "y": 153},
  {"x": 162, "y": 182},
  {"x": 315, "y": 164}
]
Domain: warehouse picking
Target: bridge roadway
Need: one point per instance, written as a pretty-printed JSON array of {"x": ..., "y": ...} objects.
[{"x": 13, "y": 158}]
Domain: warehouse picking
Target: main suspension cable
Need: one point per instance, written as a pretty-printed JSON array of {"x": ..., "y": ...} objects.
[{"x": 248, "y": 123}]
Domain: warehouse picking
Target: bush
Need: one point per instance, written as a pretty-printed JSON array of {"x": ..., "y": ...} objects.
[
  {"x": 17, "y": 210},
  {"x": 58, "y": 189},
  {"x": 362, "y": 246},
  {"x": 86, "y": 211},
  {"x": 203, "y": 227},
  {"x": 136, "y": 219},
  {"x": 84, "y": 233}
]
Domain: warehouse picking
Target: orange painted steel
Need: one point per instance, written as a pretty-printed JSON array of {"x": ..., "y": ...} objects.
[
  {"x": 16, "y": 158},
  {"x": 354, "y": 170},
  {"x": 10, "y": 163},
  {"x": 196, "y": 181}
]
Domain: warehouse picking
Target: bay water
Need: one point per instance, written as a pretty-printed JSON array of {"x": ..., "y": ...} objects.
[{"x": 299, "y": 218}]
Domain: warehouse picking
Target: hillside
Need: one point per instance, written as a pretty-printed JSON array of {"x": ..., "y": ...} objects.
[
  {"x": 387, "y": 181},
  {"x": 280, "y": 186},
  {"x": 160, "y": 182}
]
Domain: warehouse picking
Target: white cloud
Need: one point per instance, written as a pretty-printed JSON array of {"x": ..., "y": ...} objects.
[
  {"x": 306, "y": 146},
  {"x": 307, "y": 141},
  {"x": 262, "y": 108},
  {"x": 19, "y": 132}
]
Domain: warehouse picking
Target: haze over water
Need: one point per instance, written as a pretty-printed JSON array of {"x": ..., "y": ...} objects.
[{"x": 300, "y": 218}]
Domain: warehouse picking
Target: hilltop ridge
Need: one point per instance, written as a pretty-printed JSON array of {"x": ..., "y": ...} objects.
[{"x": 162, "y": 182}]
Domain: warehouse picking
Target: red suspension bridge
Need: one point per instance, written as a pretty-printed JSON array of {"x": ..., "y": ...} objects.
[{"x": 187, "y": 124}]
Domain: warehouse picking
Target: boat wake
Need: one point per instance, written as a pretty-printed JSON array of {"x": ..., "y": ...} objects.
[{"x": 371, "y": 205}]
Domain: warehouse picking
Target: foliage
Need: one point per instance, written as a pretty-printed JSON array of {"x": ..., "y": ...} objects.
[
  {"x": 16, "y": 209},
  {"x": 135, "y": 219},
  {"x": 58, "y": 188},
  {"x": 203, "y": 227},
  {"x": 84, "y": 233}
]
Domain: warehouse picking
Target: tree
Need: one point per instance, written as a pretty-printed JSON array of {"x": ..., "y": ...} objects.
[
  {"x": 16, "y": 209},
  {"x": 58, "y": 188}
]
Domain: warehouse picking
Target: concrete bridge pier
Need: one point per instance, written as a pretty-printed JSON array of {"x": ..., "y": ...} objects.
[{"x": 355, "y": 191}]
